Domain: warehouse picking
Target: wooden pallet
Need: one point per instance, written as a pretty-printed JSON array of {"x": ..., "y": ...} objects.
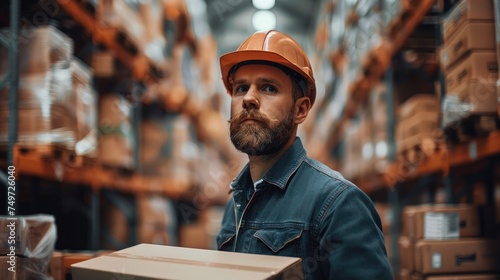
[{"x": 471, "y": 127}]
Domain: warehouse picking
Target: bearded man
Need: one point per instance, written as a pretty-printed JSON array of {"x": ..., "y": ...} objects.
[{"x": 283, "y": 202}]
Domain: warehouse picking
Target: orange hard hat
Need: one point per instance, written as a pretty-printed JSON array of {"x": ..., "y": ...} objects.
[{"x": 275, "y": 48}]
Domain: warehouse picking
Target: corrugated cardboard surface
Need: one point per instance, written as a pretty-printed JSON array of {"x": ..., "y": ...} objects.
[
  {"x": 406, "y": 253},
  {"x": 146, "y": 261},
  {"x": 417, "y": 104},
  {"x": 482, "y": 65},
  {"x": 56, "y": 270},
  {"x": 414, "y": 226},
  {"x": 465, "y": 277},
  {"x": 477, "y": 10},
  {"x": 417, "y": 276},
  {"x": 455, "y": 256},
  {"x": 471, "y": 36},
  {"x": 481, "y": 96}
]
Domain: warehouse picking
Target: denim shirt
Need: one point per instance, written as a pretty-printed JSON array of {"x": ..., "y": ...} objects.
[{"x": 302, "y": 208}]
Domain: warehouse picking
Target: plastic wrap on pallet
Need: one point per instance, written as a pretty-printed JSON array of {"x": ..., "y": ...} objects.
[
  {"x": 454, "y": 109},
  {"x": 45, "y": 111},
  {"x": 473, "y": 97},
  {"x": 44, "y": 96},
  {"x": 40, "y": 49},
  {"x": 57, "y": 106},
  {"x": 86, "y": 108},
  {"x": 27, "y": 242},
  {"x": 25, "y": 268}
]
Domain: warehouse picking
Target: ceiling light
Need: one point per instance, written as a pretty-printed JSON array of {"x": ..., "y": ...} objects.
[
  {"x": 263, "y": 4},
  {"x": 263, "y": 20}
]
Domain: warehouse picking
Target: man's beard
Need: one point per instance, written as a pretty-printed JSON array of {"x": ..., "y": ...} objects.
[{"x": 262, "y": 138}]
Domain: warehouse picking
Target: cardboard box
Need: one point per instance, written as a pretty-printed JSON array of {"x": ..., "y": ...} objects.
[
  {"x": 39, "y": 50},
  {"x": 473, "y": 36},
  {"x": 34, "y": 235},
  {"x": 404, "y": 274},
  {"x": 481, "y": 97},
  {"x": 419, "y": 119},
  {"x": 417, "y": 104},
  {"x": 406, "y": 253},
  {"x": 463, "y": 277},
  {"x": 56, "y": 270},
  {"x": 498, "y": 97},
  {"x": 477, "y": 65},
  {"x": 71, "y": 258},
  {"x": 456, "y": 256},
  {"x": 19, "y": 268},
  {"x": 385, "y": 213},
  {"x": 466, "y": 10},
  {"x": 147, "y": 261},
  {"x": 441, "y": 221}
]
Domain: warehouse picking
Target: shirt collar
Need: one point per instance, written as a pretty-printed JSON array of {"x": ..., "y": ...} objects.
[{"x": 281, "y": 171}]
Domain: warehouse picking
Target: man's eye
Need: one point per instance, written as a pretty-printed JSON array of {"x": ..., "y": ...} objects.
[
  {"x": 240, "y": 89},
  {"x": 269, "y": 88}
]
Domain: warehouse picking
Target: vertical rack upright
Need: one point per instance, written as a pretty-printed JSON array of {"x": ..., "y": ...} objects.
[{"x": 11, "y": 79}]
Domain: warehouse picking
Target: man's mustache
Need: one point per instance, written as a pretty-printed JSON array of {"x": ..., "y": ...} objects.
[{"x": 249, "y": 114}]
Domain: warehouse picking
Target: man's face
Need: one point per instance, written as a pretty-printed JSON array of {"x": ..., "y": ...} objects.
[{"x": 262, "y": 110}]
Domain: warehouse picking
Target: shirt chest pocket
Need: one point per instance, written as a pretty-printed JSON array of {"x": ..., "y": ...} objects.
[
  {"x": 279, "y": 241},
  {"x": 225, "y": 239}
]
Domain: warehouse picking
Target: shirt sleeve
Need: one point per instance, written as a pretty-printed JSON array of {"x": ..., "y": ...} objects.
[{"x": 351, "y": 242}]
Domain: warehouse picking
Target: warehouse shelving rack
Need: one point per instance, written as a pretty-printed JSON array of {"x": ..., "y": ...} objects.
[
  {"x": 404, "y": 181},
  {"x": 378, "y": 63},
  {"x": 59, "y": 167}
]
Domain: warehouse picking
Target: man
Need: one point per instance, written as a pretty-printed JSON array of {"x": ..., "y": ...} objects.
[{"x": 285, "y": 203}]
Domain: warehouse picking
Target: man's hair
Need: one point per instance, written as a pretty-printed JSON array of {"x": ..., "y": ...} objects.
[{"x": 296, "y": 90}]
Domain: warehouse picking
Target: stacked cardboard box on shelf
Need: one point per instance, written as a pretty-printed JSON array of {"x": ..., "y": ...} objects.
[
  {"x": 418, "y": 119},
  {"x": 28, "y": 253},
  {"x": 440, "y": 240},
  {"x": 358, "y": 148},
  {"x": 56, "y": 102},
  {"x": 469, "y": 61}
]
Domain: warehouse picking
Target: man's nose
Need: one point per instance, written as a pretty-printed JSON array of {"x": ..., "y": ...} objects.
[{"x": 251, "y": 99}]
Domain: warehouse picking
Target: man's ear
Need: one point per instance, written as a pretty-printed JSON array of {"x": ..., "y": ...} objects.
[{"x": 302, "y": 107}]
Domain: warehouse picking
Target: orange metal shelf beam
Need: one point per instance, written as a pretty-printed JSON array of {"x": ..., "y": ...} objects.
[
  {"x": 139, "y": 65},
  {"x": 446, "y": 158},
  {"x": 35, "y": 165},
  {"x": 94, "y": 176}
]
